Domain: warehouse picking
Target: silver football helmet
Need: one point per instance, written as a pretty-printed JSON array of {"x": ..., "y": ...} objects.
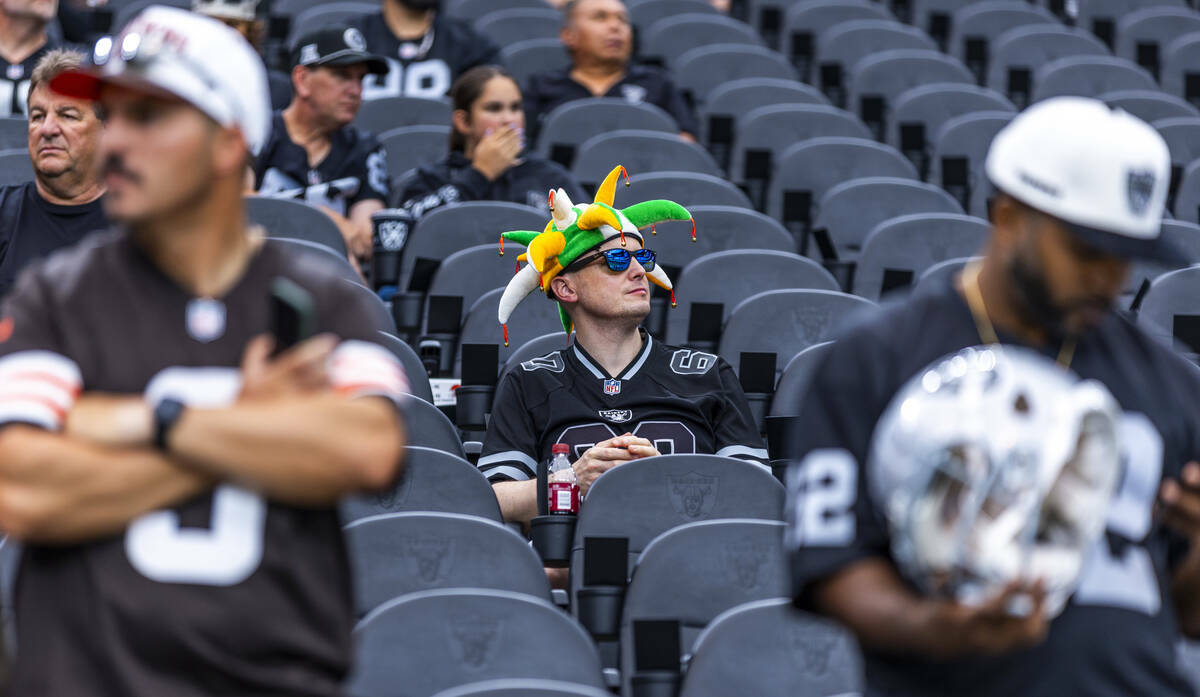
[{"x": 995, "y": 465}]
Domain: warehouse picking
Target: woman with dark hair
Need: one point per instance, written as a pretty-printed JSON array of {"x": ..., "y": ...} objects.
[{"x": 488, "y": 160}]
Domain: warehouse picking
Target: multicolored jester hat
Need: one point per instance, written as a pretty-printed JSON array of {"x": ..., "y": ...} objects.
[{"x": 578, "y": 229}]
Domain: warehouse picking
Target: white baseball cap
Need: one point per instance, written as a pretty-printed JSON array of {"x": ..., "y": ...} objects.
[
  {"x": 1100, "y": 170},
  {"x": 178, "y": 53}
]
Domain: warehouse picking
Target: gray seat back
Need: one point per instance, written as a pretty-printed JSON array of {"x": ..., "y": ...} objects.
[
  {"x": 14, "y": 133},
  {"x": 730, "y": 101},
  {"x": 669, "y": 38},
  {"x": 409, "y": 147},
  {"x": 414, "y": 370},
  {"x": 1187, "y": 196},
  {"x": 644, "y": 14},
  {"x": 525, "y": 58},
  {"x": 685, "y": 188},
  {"x": 469, "y": 274},
  {"x": 1016, "y": 55},
  {"x": 805, "y": 21},
  {"x": 528, "y": 321},
  {"x": 510, "y": 25},
  {"x": 1150, "y": 105},
  {"x": 1171, "y": 297},
  {"x": 1089, "y": 76},
  {"x": 384, "y": 114},
  {"x": 294, "y": 220},
  {"x": 877, "y": 80},
  {"x": 977, "y": 25},
  {"x": 1184, "y": 235},
  {"x": 1180, "y": 60},
  {"x": 918, "y": 114},
  {"x": 638, "y": 151},
  {"x": 433, "y": 481},
  {"x": 718, "y": 228},
  {"x": 701, "y": 69},
  {"x": 448, "y": 229},
  {"x": 912, "y": 243},
  {"x": 524, "y": 687},
  {"x": 942, "y": 272},
  {"x": 428, "y": 427},
  {"x": 846, "y": 43},
  {"x": 764, "y": 133},
  {"x": 795, "y": 378},
  {"x": 1143, "y": 35},
  {"x": 850, "y": 210},
  {"x": 569, "y": 125},
  {"x": 959, "y": 153}
]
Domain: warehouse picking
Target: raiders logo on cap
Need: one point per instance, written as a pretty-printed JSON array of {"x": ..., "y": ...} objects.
[{"x": 354, "y": 39}]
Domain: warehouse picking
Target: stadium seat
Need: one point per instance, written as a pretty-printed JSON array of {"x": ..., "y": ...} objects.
[
  {"x": 685, "y": 188},
  {"x": 639, "y": 151},
  {"x": 1187, "y": 196},
  {"x": 510, "y": 25},
  {"x": 433, "y": 480},
  {"x": 1168, "y": 310},
  {"x": 380, "y": 314},
  {"x": 701, "y": 69},
  {"x": 1151, "y": 105},
  {"x": 327, "y": 14},
  {"x": 718, "y": 228},
  {"x": 794, "y": 380},
  {"x": 449, "y": 229},
  {"x": 806, "y": 170},
  {"x": 430, "y": 641},
  {"x": 127, "y": 11},
  {"x": 572, "y": 123},
  {"x": 382, "y": 115},
  {"x": 898, "y": 250},
  {"x": 1089, "y": 76},
  {"x": 480, "y": 326},
  {"x": 15, "y": 167},
  {"x": 977, "y": 25},
  {"x": 785, "y": 322},
  {"x": 850, "y": 210},
  {"x": 941, "y": 272},
  {"x": 287, "y": 8},
  {"x": 1143, "y": 35},
  {"x": 959, "y": 153},
  {"x": 426, "y": 426},
  {"x": 340, "y": 263},
  {"x": 740, "y": 652},
  {"x": 1016, "y": 55},
  {"x": 536, "y": 348},
  {"x": 1185, "y": 235},
  {"x": 731, "y": 101},
  {"x": 418, "y": 379},
  {"x": 1183, "y": 139},
  {"x": 640, "y": 503},
  {"x": 524, "y": 58},
  {"x": 395, "y": 554},
  {"x": 471, "y": 10},
  {"x": 1100, "y": 17},
  {"x": 664, "y": 41},
  {"x": 644, "y": 13},
  {"x": 764, "y": 133},
  {"x": 876, "y": 81},
  {"x": 710, "y": 287},
  {"x": 803, "y": 23},
  {"x": 409, "y": 147},
  {"x": 840, "y": 47},
  {"x": 524, "y": 688},
  {"x": 1180, "y": 74},
  {"x": 291, "y": 219},
  {"x": 691, "y": 574},
  {"x": 919, "y": 113},
  {"x": 10, "y": 559},
  {"x": 14, "y": 133}
]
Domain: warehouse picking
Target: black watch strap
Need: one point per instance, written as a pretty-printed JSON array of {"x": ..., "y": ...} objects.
[{"x": 166, "y": 415}]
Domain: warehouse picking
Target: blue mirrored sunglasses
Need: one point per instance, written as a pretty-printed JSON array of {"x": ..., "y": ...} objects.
[{"x": 618, "y": 259}]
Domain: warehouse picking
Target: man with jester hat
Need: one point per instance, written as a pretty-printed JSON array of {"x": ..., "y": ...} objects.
[{"x": 615, "y": 394}]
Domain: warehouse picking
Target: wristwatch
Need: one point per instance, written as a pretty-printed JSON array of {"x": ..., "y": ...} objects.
[{"x": 166, "y": 415}]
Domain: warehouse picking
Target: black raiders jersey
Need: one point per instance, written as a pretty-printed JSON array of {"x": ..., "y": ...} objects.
[
  {"x": 681, "y": 400},
  {"x": 14, "y": 82},
  {"x": 1117, "y": 635},
  {"x": 424, "y": 67},
  {"x": 224, "y": 594}
]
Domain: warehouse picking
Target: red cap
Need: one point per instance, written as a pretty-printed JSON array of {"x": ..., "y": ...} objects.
[{"x": 560, "y": 449}]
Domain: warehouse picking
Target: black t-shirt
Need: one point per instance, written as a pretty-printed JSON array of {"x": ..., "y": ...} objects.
[
  {"x": 353, "y": 154},
  {"x": 1117, "y": 635},
  {"x": 31, "y": 227},
  {"x": 224, "y": 594},
  {"x": 641, "y": 84},
  {"x": 14, "y": 81},
  {"x": 454, "y": 179},
  {"x": 681, "y": 400},
  {"x": 424, "y": 67}
]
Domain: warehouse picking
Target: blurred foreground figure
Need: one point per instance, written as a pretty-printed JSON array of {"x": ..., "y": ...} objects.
[
  {"x": 173, "y": 480},
  {"x": 1081, "y": 194}
]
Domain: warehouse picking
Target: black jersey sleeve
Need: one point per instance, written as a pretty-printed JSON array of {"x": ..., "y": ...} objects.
[
  {"x": 369, "y": 166},
  {"x": 38, "y": 382},
  {"x": 735, "y": 432},
  {"x": 510, "y": 446}
]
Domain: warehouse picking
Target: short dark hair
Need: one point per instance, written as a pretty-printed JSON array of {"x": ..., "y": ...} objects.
[{"x": 468, "y": 88}]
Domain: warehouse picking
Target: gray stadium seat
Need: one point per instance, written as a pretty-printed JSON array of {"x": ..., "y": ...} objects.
[
  {"x": 727, "y": 278},
  {"x": 14, "y": 133},
  {"x": 409, "y": 147},
  {"x": 292, "y": 220},
  {"x": 1150, "y": 105},
  {"x": 1187, "y": 196},
  {"x": 794, "y": 380},
  {"x": 10, "y": 559},
  {"x": 876, "y": 81},
  {"x": 731, "y": 101},
  {"x": 1100, "y": 17},
  {"x": 1180, "y": 74},
  {"x": 804, "y": 21},
  {"x": 288, "y": 8},
  {"x": 381, "y": 316},
  {"x": 840, "y": 47},
  {"x": 340, "y": 263},
  {"x": 524, "y": 58},
  {"x": 639, "y": 151},
  {"x": 1170, "y": 305},
  {"x": 741, "y": 653},
  {"x": 1143, "y": 35},
  {"x": 524, "y": 688},
  {"x": 898, "y": 250},
  {"x": 15, "y": 167},
  {"x": 850, "y": 210},
  {"x": 510, "y": 25},
  {"x": 1183, "y": 140},
  {"x": 919, "y": 113},
  {"x": 433, "y": 480},
  {"x": 466, "y": 274},
  {"x": 685, "y": 188},
  {"x": 529, "y": 320},
  {"x": 426, "y": 426},
  {"x": 718, "y": 228},
  {"x": 1089, "y": 76},
  {"x": 785, "y": 322},
  {"x": 395, "y": 554},
  {"x": 127, "y": 11},
  {"x": 418, "y": 379},
  {"x": 644, "y": 13},
  {"x": 959, "y": 154},
  {"x": 326, "y": 15},
  {"x": 1018, "y": 53},
  {"x": 941, "y": 272},
  {"x": 474, "y": 9},
  {"x": 1185, "y": 235},
  {"x": 806, "y": 170},
  {"x": 536, "y": 348},
  {"x": 382, "y": 115},
  {"x": 430, "y": 641},
  {"x": 693, "y": 573},
  {"x": 572, "y": 123},
  {"x": 449, "y": 229},
  {"x": 668, "y": 38},
  {"x": 935, "y": 17},
  {"x": 701, "y": 69},
  {"x": 977, "y": 25}
]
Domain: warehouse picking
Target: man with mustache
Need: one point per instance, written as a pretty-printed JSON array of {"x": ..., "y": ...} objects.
[
  {"x": 313, "y": 143},
  {"x": 62, "y": 203},
  {"x": 1081, "y": 192}
]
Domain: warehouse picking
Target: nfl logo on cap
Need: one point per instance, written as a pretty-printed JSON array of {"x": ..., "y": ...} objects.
[{"x": 612, "y": 387}]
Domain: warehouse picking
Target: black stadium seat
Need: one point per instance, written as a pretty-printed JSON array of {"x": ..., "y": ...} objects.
[
  {"x": 327, "y": 14},
  {"x": 643, "y": 13},
  {"x": 433, "y": 481},
  {"x": 1168, "y": 310}
]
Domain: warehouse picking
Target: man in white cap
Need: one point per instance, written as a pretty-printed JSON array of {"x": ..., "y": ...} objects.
[
  {"x": 170, "y": 464},
  {"x": 1081, "y": 194}
]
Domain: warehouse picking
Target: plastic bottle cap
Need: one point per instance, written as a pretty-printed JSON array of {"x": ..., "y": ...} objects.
[{"x": 560, "y": 449}]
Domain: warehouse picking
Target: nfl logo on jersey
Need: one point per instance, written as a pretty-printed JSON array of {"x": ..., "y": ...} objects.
[{"x": 612, "y": 387}]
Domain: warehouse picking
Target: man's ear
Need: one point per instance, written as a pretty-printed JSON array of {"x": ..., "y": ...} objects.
[
  {"x": 564, "y": 290},
  {"x": 300, "y": 81},
  {"x": 568, "y": 36}
]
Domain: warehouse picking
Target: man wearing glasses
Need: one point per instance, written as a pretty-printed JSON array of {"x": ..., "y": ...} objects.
[{"x": 615, "y": 394}]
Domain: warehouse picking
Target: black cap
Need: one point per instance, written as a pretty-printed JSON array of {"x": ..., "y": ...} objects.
[{"x": 336, "y": 46}]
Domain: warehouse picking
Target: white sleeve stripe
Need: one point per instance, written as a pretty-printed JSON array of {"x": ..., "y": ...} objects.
[
  {"x": 515, "y": 473},
  {"x": 22, "y": 387},
  {"x": 735, "y": 450},
  {"x": 30, "y": 412},
  {"x": 356, "y": 364},
  {"x": 509, "y": 456},
  {"x": 44, "y": 365}
]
